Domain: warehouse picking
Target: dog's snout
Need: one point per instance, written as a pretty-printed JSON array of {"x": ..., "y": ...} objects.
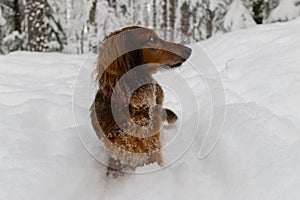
[{"x": 187, "y": 52}]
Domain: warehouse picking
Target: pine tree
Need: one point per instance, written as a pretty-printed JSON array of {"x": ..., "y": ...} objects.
[
  {"x": 238, "y": 17},
  {"x": 36, "y": 27},
  {"x": 17, "y": 16},
  {"x": 154, "y": 13},
  {"x": 73, "y": 27},
  {"x": 185, "y": 21},
  {"x": 286, "y": 10},
  {"x": 54, "y": 33},
  {"x": 218, "y": 14},
  {"x": 146, "y": 14},
  {"x": 258, "y": 11},
  {"x": 112, "y": 3},
  {"x": 269, "y": 5},
  {"x": 2, "y": 23},
  {"x": 92, "y": 25},
  {"x": 163, "y": 24},
  {"x": 2, "y": 20},
  {"x": 12, "y": 31},
  {"x": 202, "y": 20},
  {"x": 172, "y": 17}
]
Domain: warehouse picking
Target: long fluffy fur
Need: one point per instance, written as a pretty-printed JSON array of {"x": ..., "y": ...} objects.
[{"x": 139, "y": 143}]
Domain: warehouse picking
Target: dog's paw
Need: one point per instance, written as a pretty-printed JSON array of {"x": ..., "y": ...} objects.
[
  {"x": 170, "y": 117},
  {"x": 111, "y": 172}
]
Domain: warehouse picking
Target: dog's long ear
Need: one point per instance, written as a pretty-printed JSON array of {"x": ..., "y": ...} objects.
[{"x": 121, "y": 52}]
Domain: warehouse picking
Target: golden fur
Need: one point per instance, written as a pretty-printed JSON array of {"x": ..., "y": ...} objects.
[{"x": 138, "y": 142}]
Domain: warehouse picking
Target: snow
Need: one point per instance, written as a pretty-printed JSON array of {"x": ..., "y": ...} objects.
[
  {"x": 214, "y": 3},
  {"x": 257, "y": 156},
  {"x": 14, "y": 36}
]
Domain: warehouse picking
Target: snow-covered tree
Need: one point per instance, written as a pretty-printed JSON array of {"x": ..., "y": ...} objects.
[
  {"x": 286, "y": 10},
  {"x": 202, "y": 20},
  {"x": 219, "y": 10},
  {"x": 108, "y": 20},
  {"x": 37, "y": 40},
  {"x": 164, "y": 17},
  {"x": 2, "y": 23},
  {"x": 54, "y": 22},
  {"x": 238, "y": 17},
  {"x": 2, "y": 20},
  {"x": 154, "y": 18},
  {"x": 185, "y": 20},
  {"x": 77, "y": 26},
  {"x": 12, "y": 36},
  {"x": 172, "y": 17},
  {"x": 258, "y": 11}
]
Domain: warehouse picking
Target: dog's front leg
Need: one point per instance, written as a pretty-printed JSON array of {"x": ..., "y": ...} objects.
[
  {"x": 169, "y": 116},
  {"x": 114, "y": 168},
  {"x": 155, "y": 157}
]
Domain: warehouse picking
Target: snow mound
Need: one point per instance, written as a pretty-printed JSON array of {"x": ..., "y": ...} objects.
[{"x": 257, "y": 157}]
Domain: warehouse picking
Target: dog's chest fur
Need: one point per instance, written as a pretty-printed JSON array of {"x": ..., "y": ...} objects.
[{"x": 134, "y": 145}]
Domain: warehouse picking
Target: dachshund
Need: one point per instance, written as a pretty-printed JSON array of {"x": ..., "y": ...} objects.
[{"x": 127, "y": 113}]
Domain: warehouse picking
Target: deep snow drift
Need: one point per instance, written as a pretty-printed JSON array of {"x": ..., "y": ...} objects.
[{"x": 257, "y": 157}]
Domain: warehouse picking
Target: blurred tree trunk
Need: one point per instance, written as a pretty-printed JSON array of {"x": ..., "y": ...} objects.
[
  {"x": 17, "y": 16},
  {"x": 164, "y": 22},
  {"x": 172, "y": 17},
  {"x": 185, "y": 20},
  {"x": 258, "y": 7},
  {"x": 154, "y": 13},
  {"x": 92, "y": 24},
  {"x": 92, "y": 14},
  {"x": 209, "y": 17},
  {"x": 82, "y": 41},
  {"x": 133, "y": 10},
  {"x": 36, "y": 26},
  {"x": 112, "y": 3}
]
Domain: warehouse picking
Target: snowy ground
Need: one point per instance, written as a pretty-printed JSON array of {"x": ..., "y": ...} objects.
[{"x": 257, "y": 157}]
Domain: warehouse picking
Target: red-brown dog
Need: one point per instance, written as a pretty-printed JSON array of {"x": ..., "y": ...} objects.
[{"x": 137, "y": 142}]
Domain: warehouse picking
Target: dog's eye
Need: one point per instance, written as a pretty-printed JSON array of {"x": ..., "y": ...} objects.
[{"x": 152, "y": 39}]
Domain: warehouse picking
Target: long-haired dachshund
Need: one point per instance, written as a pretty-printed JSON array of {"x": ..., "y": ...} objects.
[{"x": 127, "y": 112}]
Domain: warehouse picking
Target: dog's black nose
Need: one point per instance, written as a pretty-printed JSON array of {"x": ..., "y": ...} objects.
[{"x": 187, "y": 52}]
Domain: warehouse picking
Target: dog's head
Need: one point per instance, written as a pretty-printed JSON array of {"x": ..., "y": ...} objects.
[
  {"x": 135, "y": 46},
  {"x": 157, "y": 52}
]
